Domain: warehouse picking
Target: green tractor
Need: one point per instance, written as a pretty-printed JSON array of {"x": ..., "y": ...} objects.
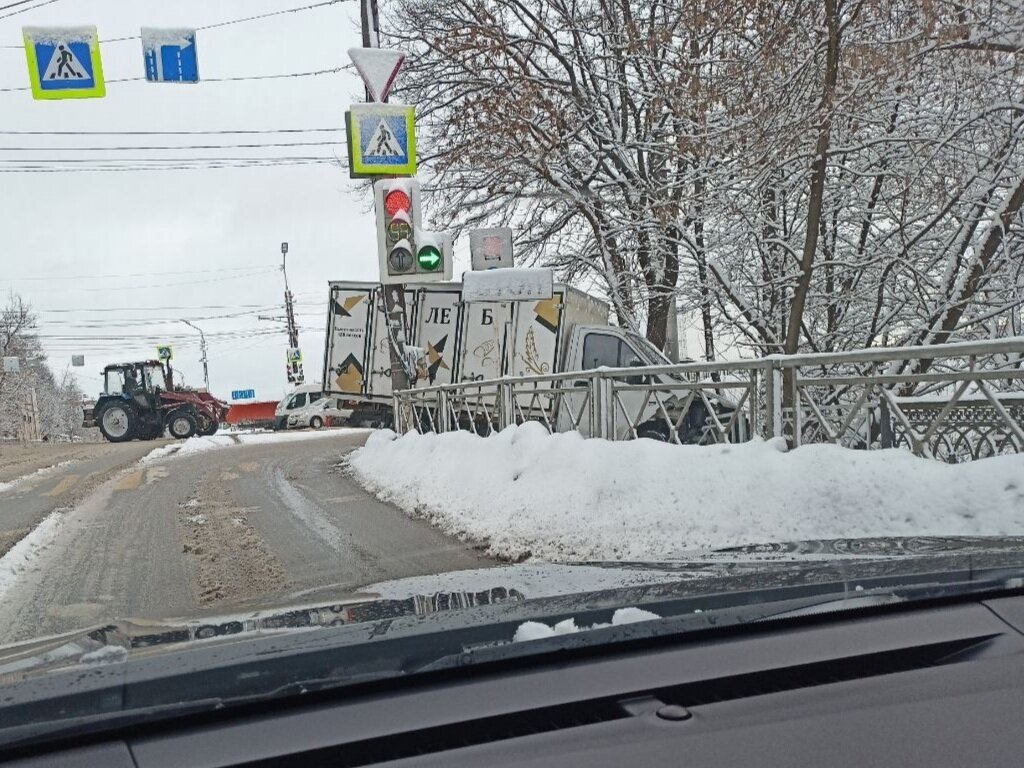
[{"x": 140, "y": 401}]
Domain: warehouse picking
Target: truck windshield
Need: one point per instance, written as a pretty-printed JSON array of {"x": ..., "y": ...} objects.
[{"x": 650, "y": 353}]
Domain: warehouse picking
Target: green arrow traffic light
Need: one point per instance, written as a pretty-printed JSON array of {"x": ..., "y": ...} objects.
[{"x": 429, "y": 258}]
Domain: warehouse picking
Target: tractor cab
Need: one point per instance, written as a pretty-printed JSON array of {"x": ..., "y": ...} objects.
[{"x": 129, "y": 379}]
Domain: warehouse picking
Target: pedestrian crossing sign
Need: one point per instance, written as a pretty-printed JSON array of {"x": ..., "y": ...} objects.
[
  {"x": 64, "y": 62},
  {"x": 381, "y": 140}
]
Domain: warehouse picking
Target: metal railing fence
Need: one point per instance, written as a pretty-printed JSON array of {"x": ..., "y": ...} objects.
[{"x": 953, "y": 402}]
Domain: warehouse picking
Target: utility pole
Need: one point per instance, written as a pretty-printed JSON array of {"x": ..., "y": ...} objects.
[
  {"x": 392, "y": 295},
  {"x": 289, "y": 307},
  {"x": 202, "y": 347}
]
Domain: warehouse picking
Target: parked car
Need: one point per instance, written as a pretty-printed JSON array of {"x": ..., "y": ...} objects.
[
  {"x": 325, "y": 411},
  {"x": 300, "y": 397}
]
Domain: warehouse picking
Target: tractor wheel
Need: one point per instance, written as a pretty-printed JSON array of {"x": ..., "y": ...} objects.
[
  {"x": 316, "y": 422},
  {"x": 210, "y": 429},
  {"x": 181, "y": 424},
  {"x": 117, "y": 422}
]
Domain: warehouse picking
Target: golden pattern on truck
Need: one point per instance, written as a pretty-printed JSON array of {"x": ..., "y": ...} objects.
[
  {"x": 345, "y": 307},
  {"x": 350, "y": 375},
  {"x": 548, "y": 312}
]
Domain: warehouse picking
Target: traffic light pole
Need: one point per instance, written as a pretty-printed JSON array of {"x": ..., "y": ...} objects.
[{"x": 394, "y": 295}]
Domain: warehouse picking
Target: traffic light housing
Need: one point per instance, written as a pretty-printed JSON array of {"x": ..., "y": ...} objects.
[{"x": 407, "y": 253}]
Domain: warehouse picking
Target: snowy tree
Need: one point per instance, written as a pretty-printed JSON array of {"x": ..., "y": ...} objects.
[
  {"x": 809, "y": 175},
  {"x": 57, "y": 403}
]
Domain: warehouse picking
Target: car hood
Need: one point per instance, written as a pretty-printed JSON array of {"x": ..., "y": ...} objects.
[{"x": 524, "y": 591}]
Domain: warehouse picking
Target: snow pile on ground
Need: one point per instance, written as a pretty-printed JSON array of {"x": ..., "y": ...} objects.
[
  {"x": 563, "y": 498},
  {"x": 8, "y": 485},
  {"x": 266, "y": 438},
  {"x": 535, "y": 630},
  {"x": 199, "y": 444},
  {"x": 23, "y": 555}
]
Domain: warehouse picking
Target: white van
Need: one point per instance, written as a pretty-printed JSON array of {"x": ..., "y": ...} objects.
[{"x": 298, "y": 398}]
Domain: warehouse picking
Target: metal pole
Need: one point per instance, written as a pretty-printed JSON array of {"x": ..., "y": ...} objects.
[
  {"x": 202, "y": 347},
  {"x": 289, "y": 308},
  {"x": 393, "y": 295}
]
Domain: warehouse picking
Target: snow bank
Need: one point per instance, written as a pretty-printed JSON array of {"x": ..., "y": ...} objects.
[
  {"x": 262, "y": 438},
  {"x": 563, "y": 498},
  {"x": 8, "y": 485},
  {"x": 196, "y": 445},
  {"x": 22, "y": 556},
  {"x": 535, "y": 630},
  {"x": 517, "y": 283}
]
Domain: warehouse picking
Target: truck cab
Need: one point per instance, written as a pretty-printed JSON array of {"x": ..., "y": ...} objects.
[{"x": 590, "y": 347}]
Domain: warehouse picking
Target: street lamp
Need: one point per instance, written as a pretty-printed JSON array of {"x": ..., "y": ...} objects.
[{"x": 202, "y": 347}]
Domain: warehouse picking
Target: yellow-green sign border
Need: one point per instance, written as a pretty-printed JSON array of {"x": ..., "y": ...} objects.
[
  {"x": 358, "y": 169},
  {"x": 98, "y": 91}
]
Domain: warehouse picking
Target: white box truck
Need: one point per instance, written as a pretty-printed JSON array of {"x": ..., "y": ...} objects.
[{"x": 466, "y": 341}]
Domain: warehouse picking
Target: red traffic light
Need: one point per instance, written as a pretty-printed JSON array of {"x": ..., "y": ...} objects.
[{"x": 396, "y": 200}]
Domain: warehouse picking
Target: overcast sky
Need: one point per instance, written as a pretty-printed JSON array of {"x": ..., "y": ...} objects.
[{"x": 205, "y": 240}]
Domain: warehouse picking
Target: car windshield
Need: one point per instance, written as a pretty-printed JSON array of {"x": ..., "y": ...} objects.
[{"x": 380, "y": 282}]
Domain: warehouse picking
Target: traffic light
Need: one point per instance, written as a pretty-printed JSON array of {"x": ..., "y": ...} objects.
[
  {"x": 433, "y": 254},
  {"x": 406, "y": 252}
]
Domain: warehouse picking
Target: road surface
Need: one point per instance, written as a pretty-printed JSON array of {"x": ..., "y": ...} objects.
[{"x": 251, "y": 525}]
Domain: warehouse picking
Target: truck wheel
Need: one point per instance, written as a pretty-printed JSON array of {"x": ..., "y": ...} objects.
[
  {"x": 316, "y": 422},
  {"x": 181, "y": 424},
  {"x": 117, "y": 422}
]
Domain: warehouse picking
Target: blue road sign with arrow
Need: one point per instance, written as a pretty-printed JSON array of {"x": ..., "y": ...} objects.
[{"x": 170, "y": 55}]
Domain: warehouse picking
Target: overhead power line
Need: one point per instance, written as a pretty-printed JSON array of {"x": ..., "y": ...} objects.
[
  {"x": 50, "y": 278},
  {"x": 148, "y": 308},
  {"x": 130, "y": 287},
  {"x": 312, "y": 73},
  {"x": 222, "y": 132},
  {"x": 168, "y": 167},
  {"x": 215, "y": 25},
  {"x": 164, "y": 147},
  {"x": 23, "y": 10}
]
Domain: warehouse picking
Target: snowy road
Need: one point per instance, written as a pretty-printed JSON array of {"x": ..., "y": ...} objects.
[{"x": 256, "y": 524}]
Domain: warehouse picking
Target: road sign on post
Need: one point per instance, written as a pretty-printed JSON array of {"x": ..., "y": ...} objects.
[
  {"x": 294, "y": 366},
  {"x": 170, "y": 55},
  {"x": 165, "y": 353},
  {"x": 378, "y": 67},
  {"x": 491, "y": 248},
  {"x": 377, "y": 88},
  {"x": 64, "y": 62},
  {"x": 78, "y": 360},
  {"x": 381, "y": 140}
]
